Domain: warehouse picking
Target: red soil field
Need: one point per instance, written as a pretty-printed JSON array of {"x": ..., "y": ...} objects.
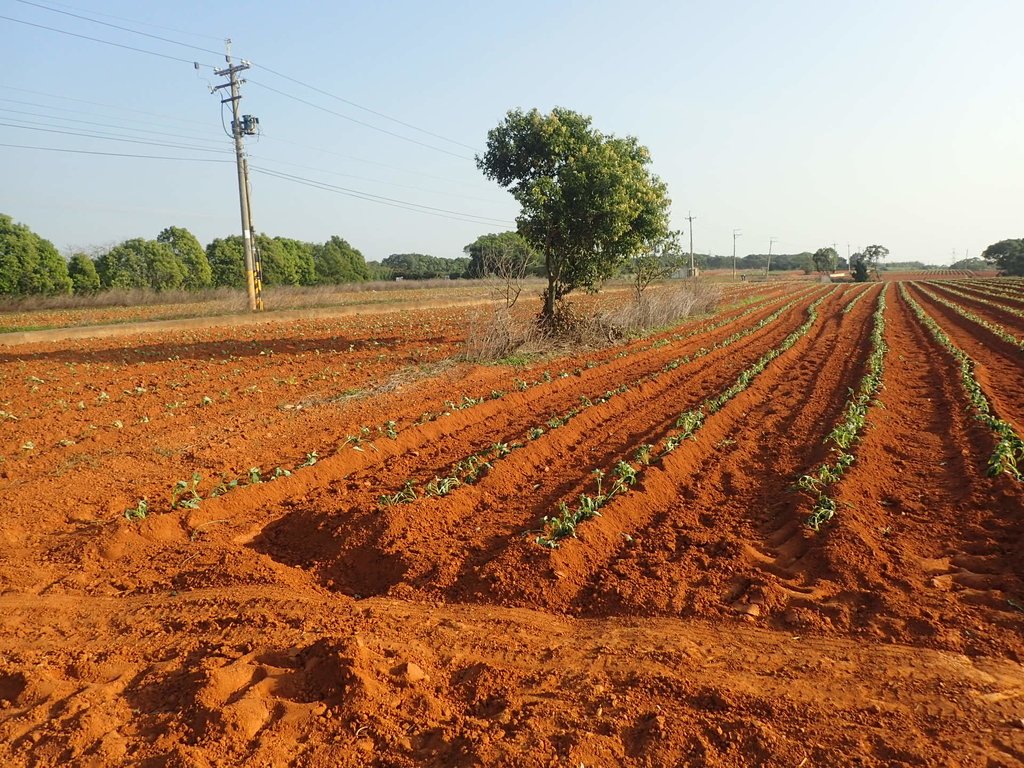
[{"x": 339, "y": 561}]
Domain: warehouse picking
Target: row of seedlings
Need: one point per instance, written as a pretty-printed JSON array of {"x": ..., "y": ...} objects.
[
  {"x": 564, "y": 524},
  {"x": 848, "y": 429},
  {"x": 471, "y": 468},
  {"x": 185, "y": 494},
  {"x": 1008, "y": 456}
]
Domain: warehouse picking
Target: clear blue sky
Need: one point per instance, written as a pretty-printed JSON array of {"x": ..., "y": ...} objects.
[{"x": 900, "y": 123}]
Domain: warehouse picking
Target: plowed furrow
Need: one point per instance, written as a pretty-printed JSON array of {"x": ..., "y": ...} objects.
[
  {"x": 926, "y": 547},
  {"x": 480, "y": 518},
  {"x": 999, "y": 365},
  {"x": 514, "y": 569},
  {"x": 983, "y": 307},
  {"x": 705, "y": 550},
  {"x": 348, "y": 507}
]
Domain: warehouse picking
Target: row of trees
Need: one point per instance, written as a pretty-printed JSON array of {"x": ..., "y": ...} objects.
[{"x": 1008, "y": 256}]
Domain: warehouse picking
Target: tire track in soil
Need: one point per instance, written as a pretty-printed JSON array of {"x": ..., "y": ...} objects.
[
  {"x": 926, "y": 548},
  {"x": 999, "y": 366},
  {"x": 362, "y": 550},
  {"x": 515, "y": 570},
  {"x": 710, "y": 543}
]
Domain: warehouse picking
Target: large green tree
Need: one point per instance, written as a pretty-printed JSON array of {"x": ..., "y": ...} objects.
[
  {"x": 190, "y": 253},
  {"x": 227, "y": 261},
  {"x": 141, "y": 263},
  {"x": 82, "y": 271},
  {"x": 1008, "y": 256},
  {"x": 825, "y": 259},
  {"x": 300, "y": 255},
  {"x": 338, "y": 262},
  {"x": 500, "y": 254},
  {"x": 589, "y": 201},
  {"x": 28, "y": 263}
]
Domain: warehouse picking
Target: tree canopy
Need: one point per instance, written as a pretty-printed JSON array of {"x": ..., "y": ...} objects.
[
  {"x": 589, "y": 201},
  {"x": 420, "y": 266},
  {"x": 338, "y": 262},
  {"x": 1008, "y": 256},
  {"x": 28, "y": 263},
  {"x": 825, "y": 260},
  {"x": 190, "y": 255},
  {"x": 501, "y": 252}
]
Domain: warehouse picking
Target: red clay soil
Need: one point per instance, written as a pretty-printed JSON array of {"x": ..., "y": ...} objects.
[
  {"x": 999, "y": 365},
  {"x": 1005, "y": 317},
  {"x": 300, "y": 622}
]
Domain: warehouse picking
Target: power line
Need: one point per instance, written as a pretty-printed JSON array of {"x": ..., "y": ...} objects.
[
  {"x": 91, "y": 103},
  {"x": 106, "y": 42},
  {"x": 377, "y": 163},
  {"x": 372, "y": 180},
  {"x": 366, "y": 109},
  {"x": 95, "y": 135},
  {"x": 144, "y": 23},
  {"x": 116, "y": 26},
  {"x": 415, "y": 207},
  {"x": 116, "y": 154},
  {"x": 357, "y": 122},
  {"x": 267, "y": 69},
  {"x": 148, "y": 131}
]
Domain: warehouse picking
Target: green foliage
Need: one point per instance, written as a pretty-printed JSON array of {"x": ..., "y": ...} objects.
[
  {"x": 498, "y": 254},
  {"x": 138, "y": 512},
  {"x": 84, "y": 277},
  {"x": 28, "y": 263},
  {"x": 1008, "y": 455},
  {"x": 419, "y": 266},
  {"x": 825, "y": 260},
  {"x": 851, "y": 424},
  {"x": 588, "y": 200},
  {"x": 338, "y": 262},
  {"x": 279, "y": 265},
  {"x": 164, "y": 270},
  {"x": 658, "y": 260},
  {"x": 190, "y": 255},
  {"x": 139, "y": 263},
  {"x": 1008, "y": 256},
  {"x": 185, "y": 495},
  {"x": 859, "y": 268},
  {"x": 299, "y": 256},
  {"x": 227, "y": 261}
]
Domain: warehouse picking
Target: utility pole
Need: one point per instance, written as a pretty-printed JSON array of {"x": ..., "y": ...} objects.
[
  {"x": 243, "y": 125},
  {"x": 735, "y": 233},
  {"x": 771, "y": 242},
  {"x": 689, "y": 218}
]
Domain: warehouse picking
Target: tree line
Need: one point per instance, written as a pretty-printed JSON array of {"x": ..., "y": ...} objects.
[{"x": 175, "y": 260}]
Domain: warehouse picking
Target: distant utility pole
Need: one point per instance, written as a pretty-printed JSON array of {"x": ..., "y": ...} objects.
[
  {"x": 689, "y": 218},
  {"x": 735, "y": 233},
  {"x": 243, "y": 125},
  {"x": 771, "y": 241}
]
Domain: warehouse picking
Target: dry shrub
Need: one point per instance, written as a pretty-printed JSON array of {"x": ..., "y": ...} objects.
[
  {"x": 657, "y": 309},
  {"x": 498, "y": 333}
]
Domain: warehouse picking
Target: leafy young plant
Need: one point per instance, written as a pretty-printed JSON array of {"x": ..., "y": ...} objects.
[
  {"x": 184, "y": 494},
  {"x": 138, "y": 512}
]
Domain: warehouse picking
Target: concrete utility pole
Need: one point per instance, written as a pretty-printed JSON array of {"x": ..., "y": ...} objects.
[
  {"x": 735, "y": 233},
  {"x": 771, "y": 242},
  {"x": 689, "y": 218},
  {"x": 243, "y": 125}
]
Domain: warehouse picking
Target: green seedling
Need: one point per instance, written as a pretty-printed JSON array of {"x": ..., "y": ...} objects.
[
  {"x": 184, "y": 494},
  {"x": 138, "y": 512}
]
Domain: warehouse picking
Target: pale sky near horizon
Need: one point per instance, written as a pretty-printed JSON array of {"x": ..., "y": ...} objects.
[{"x": 899, "y": 123}]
